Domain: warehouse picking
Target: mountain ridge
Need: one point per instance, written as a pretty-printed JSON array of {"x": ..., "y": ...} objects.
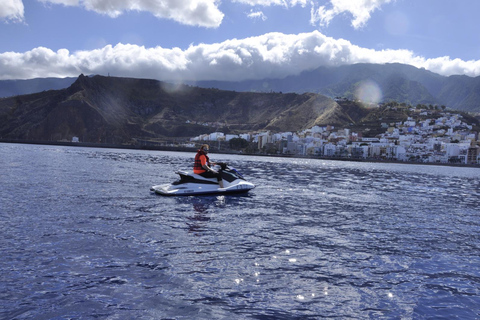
[
  {"x": 98, "y": 109},
  {"x": 125, "y": 110},
  {"x": 9, "y": 88},
  {"x": 396, "y": 82}
]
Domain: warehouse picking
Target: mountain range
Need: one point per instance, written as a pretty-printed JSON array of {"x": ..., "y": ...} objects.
[
  {"x": 10, "y": 88},
  {"x": 125, "y": 110},
  {"x": 396, "y": 82},
  {"x": 121, "y": 110}
]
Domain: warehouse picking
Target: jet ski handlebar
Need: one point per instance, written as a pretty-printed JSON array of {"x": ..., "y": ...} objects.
[{"x": 223, "y": 165}]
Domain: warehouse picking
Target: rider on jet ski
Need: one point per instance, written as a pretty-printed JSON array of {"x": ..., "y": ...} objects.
[{"x": 202, "y": 165}]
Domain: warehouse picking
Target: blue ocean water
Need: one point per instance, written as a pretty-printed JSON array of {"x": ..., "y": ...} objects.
[{"x": 82, "y": 237}]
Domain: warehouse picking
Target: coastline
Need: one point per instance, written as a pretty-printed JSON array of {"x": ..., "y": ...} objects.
[{"x": 189, "y": 149}]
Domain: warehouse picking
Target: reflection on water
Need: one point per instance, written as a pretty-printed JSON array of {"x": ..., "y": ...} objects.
[
  {"x": 81, "y": 236},
  {"x": 197, "y": 223}
]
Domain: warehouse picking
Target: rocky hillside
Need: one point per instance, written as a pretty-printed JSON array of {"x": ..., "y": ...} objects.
[
  {"x": 397, "y": 82},
  {"x": 119, "y": 110}
]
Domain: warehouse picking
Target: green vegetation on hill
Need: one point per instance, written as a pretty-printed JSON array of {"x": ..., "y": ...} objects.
[
  {"x": 124, "y": 110},
  {"x": 120, "y": 110},
  {"x": 397, "y": 82}
]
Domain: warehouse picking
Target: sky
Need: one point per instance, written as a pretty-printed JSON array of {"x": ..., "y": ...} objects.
[{"x": 233, "y": 40}]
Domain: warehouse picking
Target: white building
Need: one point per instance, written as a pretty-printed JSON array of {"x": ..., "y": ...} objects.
[
  {"x": 216, "y": 136},
  {"x": 263, "y": 138},
  {"x": 229, "y": 137},
  {"x": 245, "y": 136},
  {"x": 329, "y": 150}
]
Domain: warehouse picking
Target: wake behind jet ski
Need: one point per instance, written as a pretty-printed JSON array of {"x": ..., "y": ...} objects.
[{"x": 194, "y": 184}]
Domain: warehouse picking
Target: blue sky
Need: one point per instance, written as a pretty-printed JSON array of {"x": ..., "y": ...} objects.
[{"x": 233, "y": 39}]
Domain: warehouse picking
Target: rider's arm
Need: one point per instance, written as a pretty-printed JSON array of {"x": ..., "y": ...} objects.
[{"x": 205, "y": 165}]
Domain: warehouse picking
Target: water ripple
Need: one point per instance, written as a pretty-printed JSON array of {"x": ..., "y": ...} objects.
[{"x": 82, "y": 237}]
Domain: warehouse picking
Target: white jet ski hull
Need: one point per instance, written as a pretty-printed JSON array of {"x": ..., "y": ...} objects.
[
  {"x": 200, "y": 189},
  {"x": 193, "y": 184}
]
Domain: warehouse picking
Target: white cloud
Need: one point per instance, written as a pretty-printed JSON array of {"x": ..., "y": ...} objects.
[
  {"x": 273, "y": 55},
  {"x": 285, "y": 3},
  {"x": 360, "y": 10},
  {"x": 257, "y": 15},
  {"x": 12, "y": 10},
  {"x": 203, "y": 13},
  {"x": 64, "y": 2},
  {"x": 447, "y": 66}
]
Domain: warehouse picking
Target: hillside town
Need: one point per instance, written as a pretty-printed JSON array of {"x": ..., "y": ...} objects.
[{"x": 443, "y": 138}]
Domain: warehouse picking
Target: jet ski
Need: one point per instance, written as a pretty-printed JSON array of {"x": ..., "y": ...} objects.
[{"x": 194, "y": 184}]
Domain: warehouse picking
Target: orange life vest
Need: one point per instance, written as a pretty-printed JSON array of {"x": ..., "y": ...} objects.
[{"x": 197, "y": 166}]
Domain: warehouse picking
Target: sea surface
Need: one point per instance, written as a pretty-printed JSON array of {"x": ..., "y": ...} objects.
[{"x": 82, "y": 237}]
